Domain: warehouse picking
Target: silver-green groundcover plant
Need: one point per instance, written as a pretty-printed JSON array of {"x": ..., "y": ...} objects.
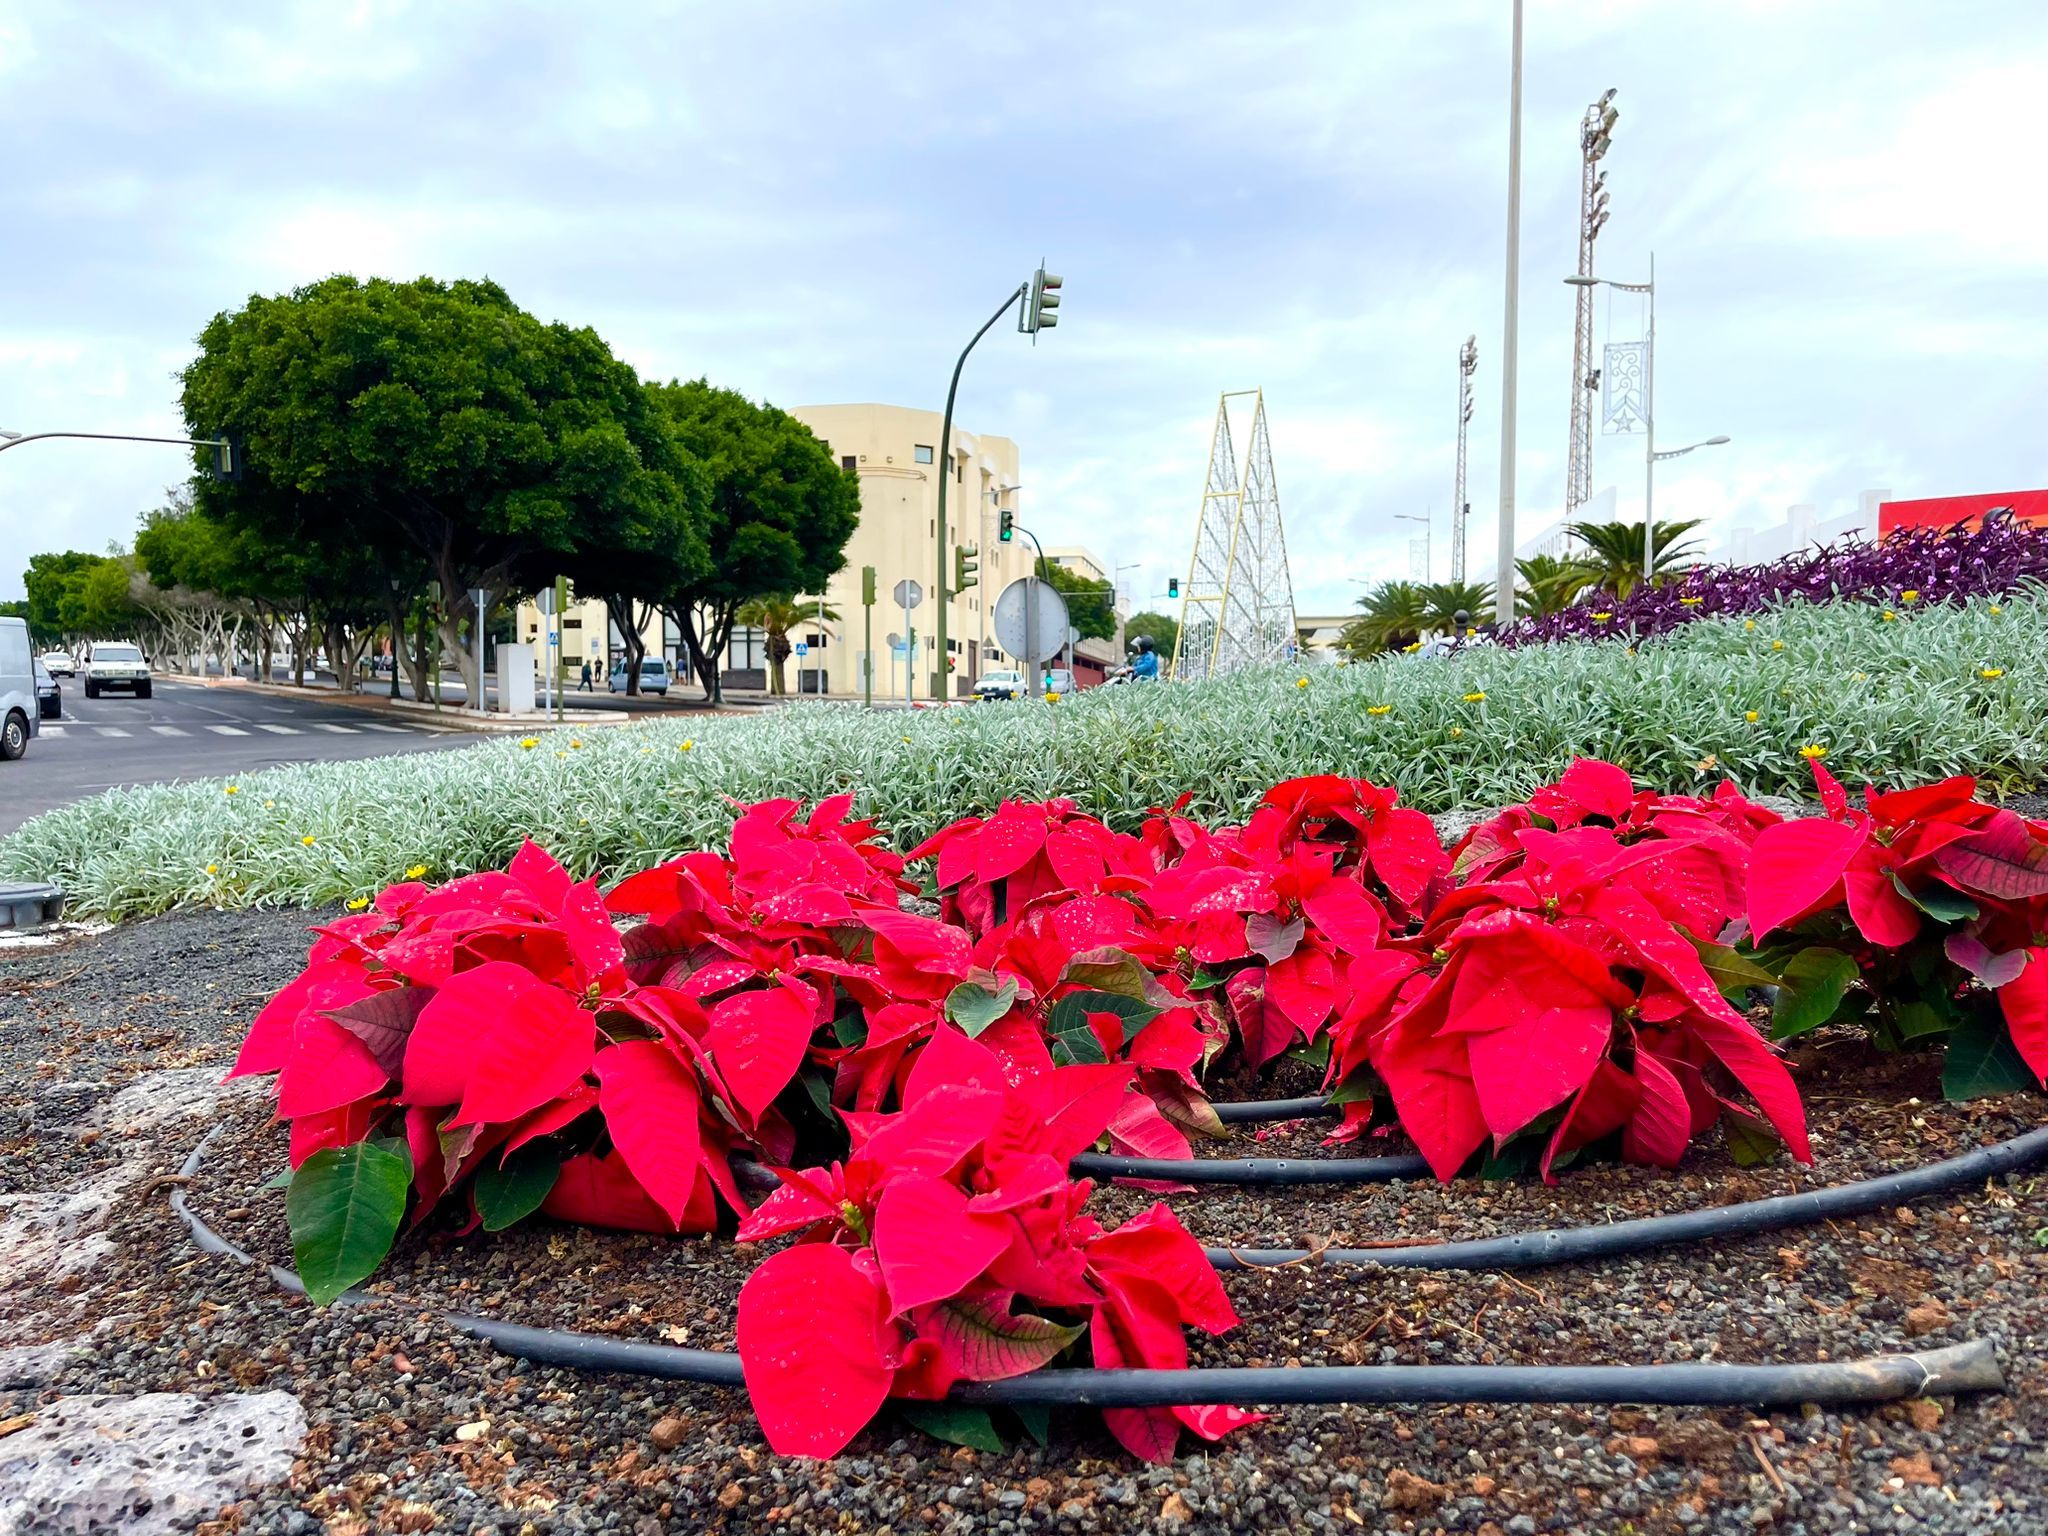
[{"x": 1917, "y": 696}]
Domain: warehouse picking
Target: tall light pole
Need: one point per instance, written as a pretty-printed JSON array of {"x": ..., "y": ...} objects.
[
  {"x": 1649, "y": 292},
  {"x": 1504, "y": 573},
  {"x": 1679, "y": 453},
  {"x": 1596, "y": 131},
  {"x": 1428, "y": 568},
  {"x": 1461, "y": 509}
]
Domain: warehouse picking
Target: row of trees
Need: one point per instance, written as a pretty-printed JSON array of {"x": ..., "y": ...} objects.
[
  {"x": 407, "y": 439},
  {"x": 1607, "y": 561}
]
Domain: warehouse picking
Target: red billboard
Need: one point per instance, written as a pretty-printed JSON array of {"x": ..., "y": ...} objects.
[{"x": 1943, "y": 511}]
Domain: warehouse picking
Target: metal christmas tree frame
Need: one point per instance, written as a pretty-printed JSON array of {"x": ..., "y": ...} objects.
[{"x": 1237, "y": 609}]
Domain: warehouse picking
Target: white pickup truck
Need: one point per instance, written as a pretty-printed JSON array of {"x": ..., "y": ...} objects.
[{"x": 115, "y": 664}]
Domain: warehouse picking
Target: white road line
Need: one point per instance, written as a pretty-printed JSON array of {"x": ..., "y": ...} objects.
[
  {"x": 278, "y": 730},
  {"x": 391, "y": 730},
  {"x": 53, "y": 730},
  {"x": 110, "y": 730},
  {"x": 170, "y": 730},
  {"x": 339, "y": 730},
  {"x": 227, "y": 730}
]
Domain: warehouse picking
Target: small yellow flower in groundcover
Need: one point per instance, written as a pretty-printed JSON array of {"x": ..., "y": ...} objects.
[
  {"x": 213, "y": 869},
  {"x": 529, "y": 742},
  {"x": 308, "y": 840},
  {"x": 1991, "y": 671},
  {"x": 1813, "y": 751},
  {"x": 1777, "y": 645},
  {"x": 417, "y": 872},
  {"x": 906, "y": 741},
  {"x": 1749, "y": 623},
  {"x": 1411, "y": 649},
  {"x": 1602, "y": 618},
  {"x": 1457, "y": 730},
  {"x": 1996, "y": 608},
  {"x": 1691, "y": 602},
  {"x": 357, "y": 903},
  {"x": 1889, "y": 617},
  {"x": 1750, "y": 716},
  {"x": 687, "y": 743},
  {"x": 1301, "y": 682},
  {"x": 575, "y": 741},
  {"x": 1379, "y": 709},
  {"x": 232, "y": 789},
  {"x": 270, "y": 805},
  {"x": 1910, "y": 595},
  {"x": 1476, "y": 697}
]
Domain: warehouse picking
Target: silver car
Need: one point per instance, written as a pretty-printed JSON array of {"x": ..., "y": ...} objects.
[{"x": 115, "y": 664}]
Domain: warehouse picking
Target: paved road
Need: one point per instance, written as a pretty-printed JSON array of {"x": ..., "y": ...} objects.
[{"x": 187, "y": 731}]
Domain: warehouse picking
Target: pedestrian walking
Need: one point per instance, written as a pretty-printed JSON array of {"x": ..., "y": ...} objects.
[{"x": 585, "y": 685}]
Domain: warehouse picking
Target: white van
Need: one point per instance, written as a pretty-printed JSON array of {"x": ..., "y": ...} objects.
[{"x": 20, "y": 715}]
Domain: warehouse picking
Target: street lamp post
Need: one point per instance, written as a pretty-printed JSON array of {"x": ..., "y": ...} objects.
[
  {"x": 1504, "y": 545},
  {"x": 1428, "y": 565},
  {"x": 1649, "y": 292}
]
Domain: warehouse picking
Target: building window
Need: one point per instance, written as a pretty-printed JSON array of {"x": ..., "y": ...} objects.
[
  {"x": 815, "y": 642},
  {"x": 923, "y": 453},
  {"x": 747, "y": 650},
  {"x": 846, "y": 461}
]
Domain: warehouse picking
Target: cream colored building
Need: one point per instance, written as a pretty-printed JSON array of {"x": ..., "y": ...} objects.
[{"x": 895, "y": 451}]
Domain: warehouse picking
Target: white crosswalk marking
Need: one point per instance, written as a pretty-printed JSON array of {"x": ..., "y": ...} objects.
[
  {"x": 339, "y": 730},
  {"x": 169, "y": 730},
  {"x": 392, "y": 730},
  {"x": 227, "y": 730},
  {"x": 110, "y": 730},
  {"x": 53, "y": 730},
  {"x": 277, "y": 730}
]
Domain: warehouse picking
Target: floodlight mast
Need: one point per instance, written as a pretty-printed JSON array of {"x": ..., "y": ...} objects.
[{"x": 1596, "y": 135}]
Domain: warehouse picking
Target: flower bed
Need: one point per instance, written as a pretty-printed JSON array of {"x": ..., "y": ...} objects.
[
  {"x": 1912, "y": 568},
  {"x": 1556, "y": 987}
]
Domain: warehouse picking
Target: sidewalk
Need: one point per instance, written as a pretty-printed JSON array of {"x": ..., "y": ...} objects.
[{"x": 456, "y": 716}]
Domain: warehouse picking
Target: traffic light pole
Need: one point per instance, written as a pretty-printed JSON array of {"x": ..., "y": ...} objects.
[{"x": 945, "y": 468}]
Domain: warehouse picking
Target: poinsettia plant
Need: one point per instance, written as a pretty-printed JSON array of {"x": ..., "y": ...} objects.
[
  {"x": 1921, "y": 916},
  {"x": 951, "y": 1246}
]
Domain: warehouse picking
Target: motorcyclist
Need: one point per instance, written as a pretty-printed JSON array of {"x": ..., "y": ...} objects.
[{"x": 1145, "y": 668}]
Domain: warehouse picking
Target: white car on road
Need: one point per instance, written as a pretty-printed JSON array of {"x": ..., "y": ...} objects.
[
  {"x": 58, "y": 664},
  {"x": 115, "y": 664}
]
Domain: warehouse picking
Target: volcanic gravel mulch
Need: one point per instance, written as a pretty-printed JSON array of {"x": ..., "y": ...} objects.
[{"x": 418, "y": 1428}]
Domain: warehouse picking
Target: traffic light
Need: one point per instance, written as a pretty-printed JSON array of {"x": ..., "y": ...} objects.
[
  {"x": 227, "y": 458},
  {"x": 1173, "y": 586},
  {"x": 1006, "y": 526},
  {"x": 966, "y": 561},
  {"x": 867, "y": 586},
  {"x": 1043, "y": 311}
]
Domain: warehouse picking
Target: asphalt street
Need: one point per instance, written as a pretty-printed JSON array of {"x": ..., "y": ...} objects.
[{"x": 188, "y": 731}]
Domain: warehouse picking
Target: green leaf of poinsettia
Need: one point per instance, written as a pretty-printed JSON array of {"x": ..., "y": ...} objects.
[
  {"x": 513, "y": 1192},
  {"x": 954, "y": 1424},
  {"x": 1942, "y": 903},
  {"x": 974, "y": 1008},
  {"x": 991, "y": 1342},
  {"x": 1074, "y": 1039},
  {"x": 1810, "y": 986},
  {"x": 1750, "y": 1140},
  {"x": 345, "y": 1206},
  {"x": 1982, "y": 1061},
  {"x": 1037, "y": 1421},
  {"x": 1730, "y": 970}
]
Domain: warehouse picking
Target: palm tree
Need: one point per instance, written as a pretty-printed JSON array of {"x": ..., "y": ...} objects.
[
  {"x": 1615, "y": 552},
  {"x": 1551, "y": 584},
  {"x": 1393, "y": 615},
  {"x": 775, "y": 615},
  {"x": 1447, "y": 599}
]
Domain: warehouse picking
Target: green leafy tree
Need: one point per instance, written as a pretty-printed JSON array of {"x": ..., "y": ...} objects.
[
  {"x": 1550, "y": 585},
  {"x": 386, "y": 426},
  {"x": 1163, "y": 628},
  {"x": 58, "y": 604},
  {"x": 1615, "y": 552},
  {"x": 1392, "y": 616},
  {"x": 775, "y": 616},
  {"x": 1091, "y": 605},
  {"x": 779, "y": 510}
]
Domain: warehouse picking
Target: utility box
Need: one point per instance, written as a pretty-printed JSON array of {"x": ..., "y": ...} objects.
[{"x": 515, "y": 677}]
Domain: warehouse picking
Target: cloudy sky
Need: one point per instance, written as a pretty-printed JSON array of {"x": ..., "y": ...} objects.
[{"x": 820, "y": 202}]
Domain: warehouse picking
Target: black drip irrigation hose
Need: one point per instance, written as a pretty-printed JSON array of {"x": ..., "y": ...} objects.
[
  {"x": 1530, "y": 1250},
  {"x": 1971, "y": 1367},
  {"x": 1259, "y": 1111},
  {"x": 1251, "y": 1170}
]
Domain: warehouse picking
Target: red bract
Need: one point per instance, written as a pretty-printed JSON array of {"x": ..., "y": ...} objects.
[
  {"x": 951, "y": 1246},
  {"x": 1561, "y": 998}
]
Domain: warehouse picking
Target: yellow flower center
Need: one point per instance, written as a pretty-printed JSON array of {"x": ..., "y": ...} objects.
[
  {"x": 1750, "y": 717},
  {"x": 1457, "y": 730},
  {"x": 308, "y": 840},
  {"x": 417, "y": 872},
  {"x": 1777, "y": 645},
  {"x": 1602, "y": 618},
  {"x": 232, "y": 789},
  {"x": 1910, "y": 595},
  {"x": 1997, "y": 608},
  {"x": 1991, "y": 672},
  {"x": 213, "y": 869},
  {"x": 529, "y": 742},
  {"x": 1301, "y": 682},
  {"x": 1889, "y": 617},
  {"x": 687, "y": 744},
  {"x": 357, "y": 903}
]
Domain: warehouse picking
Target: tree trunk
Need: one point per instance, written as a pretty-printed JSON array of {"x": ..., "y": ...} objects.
[
  {"x": 425, "y": 659},
  {"x": 620, "y": 611}
]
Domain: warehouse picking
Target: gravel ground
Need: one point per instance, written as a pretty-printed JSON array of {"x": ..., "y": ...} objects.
[{"x": 415, "y": 1428}]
